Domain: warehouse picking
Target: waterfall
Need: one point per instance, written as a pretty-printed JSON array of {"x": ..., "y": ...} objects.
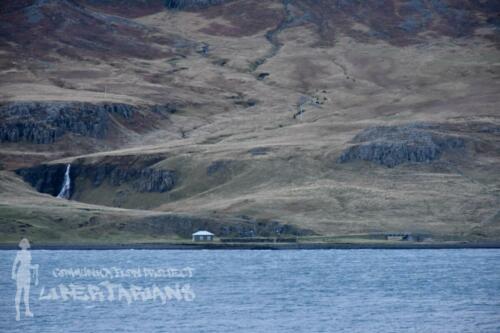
[{"x": 66, "y": 186}]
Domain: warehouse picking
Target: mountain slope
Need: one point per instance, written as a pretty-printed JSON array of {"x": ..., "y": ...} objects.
[{"x": 328, "y": 117}]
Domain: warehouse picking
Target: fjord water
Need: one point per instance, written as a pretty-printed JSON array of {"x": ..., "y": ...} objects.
[{"x": 271, "y": 291}]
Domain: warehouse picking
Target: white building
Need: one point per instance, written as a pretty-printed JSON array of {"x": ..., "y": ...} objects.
[{"x": 203, "y": 235}]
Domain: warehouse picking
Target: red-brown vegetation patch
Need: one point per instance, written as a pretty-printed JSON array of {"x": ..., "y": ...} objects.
[
  {"x": 126, "y": 8},
  {"x": 67, "y": 28},
  {"x": 399, "y": 22},
  {"x": 245, "y": 18}
]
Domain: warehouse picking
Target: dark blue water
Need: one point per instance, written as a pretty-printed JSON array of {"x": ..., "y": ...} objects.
[{"x": 268, "y": 291}]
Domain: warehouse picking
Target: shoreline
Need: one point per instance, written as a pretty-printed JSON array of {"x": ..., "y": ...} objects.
[{"x": 261, "y": 246}]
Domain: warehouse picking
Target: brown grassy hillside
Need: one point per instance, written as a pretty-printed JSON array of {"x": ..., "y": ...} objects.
[{"x": 331, "y": 117}]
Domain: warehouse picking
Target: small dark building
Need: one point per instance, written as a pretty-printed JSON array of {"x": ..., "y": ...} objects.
[{"x": 399, "y": 237}]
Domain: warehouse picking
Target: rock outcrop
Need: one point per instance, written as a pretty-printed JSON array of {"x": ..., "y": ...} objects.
[
  {"x": 222, "y": 227},
  {"x": 394, "y": 145},
  {"x": 220, "y": 167},
  {"x": 141, "y": 180},
  {"x": 183, "y": 4},
  {"x": 45, "y": 122},
  {"x": 49, "y": 178},
  {"x": 258, "y": 151},
  {"x": 45, "y": 178}
]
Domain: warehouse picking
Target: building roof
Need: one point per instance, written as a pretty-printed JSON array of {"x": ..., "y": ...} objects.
[{"x": 203, "y": 233}]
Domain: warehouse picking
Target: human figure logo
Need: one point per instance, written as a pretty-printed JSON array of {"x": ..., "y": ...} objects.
[{"x": 22, "y": 270}]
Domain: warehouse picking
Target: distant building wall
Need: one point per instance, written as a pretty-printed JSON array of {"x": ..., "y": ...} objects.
[
  {"x": 198, "y": 238},
  {"x": 399, "y": 237}
]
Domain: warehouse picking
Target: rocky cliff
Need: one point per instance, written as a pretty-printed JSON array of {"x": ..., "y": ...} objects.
[
  {"x": 413, "y": 143},
  {"x": 45, "y": 122},
  {"x": 48, "y": 178},
  {"x": 45, "y": 178},
  {"x": 182, "y": 4},
  {"x": 141, "y": 180}
]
